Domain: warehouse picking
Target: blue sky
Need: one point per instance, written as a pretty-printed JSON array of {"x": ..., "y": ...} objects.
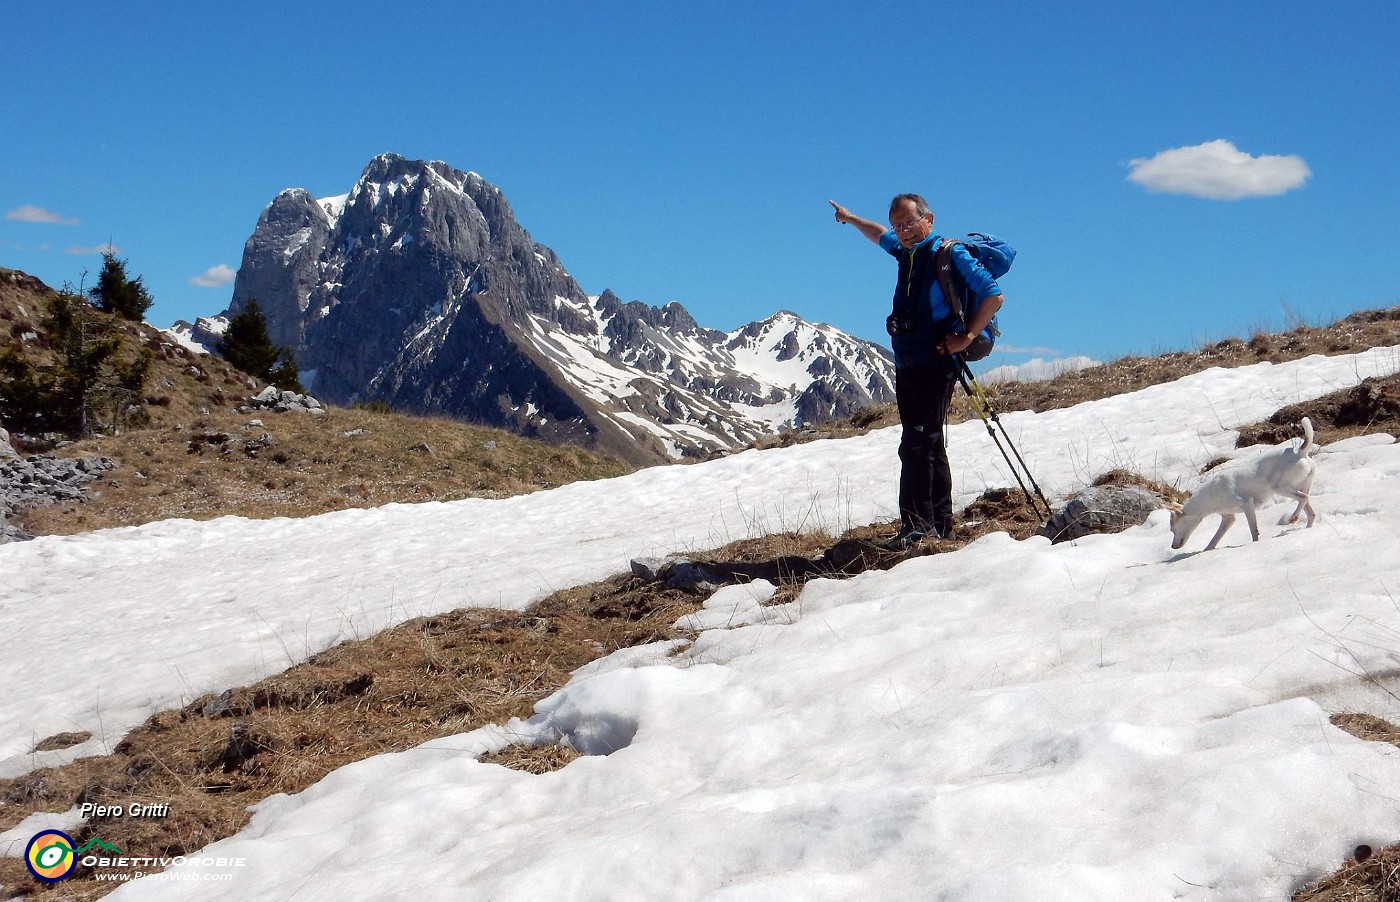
[{"x": 689, "y": 154}]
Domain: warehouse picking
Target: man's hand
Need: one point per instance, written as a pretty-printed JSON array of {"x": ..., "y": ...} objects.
[
  {"x": 871, "y": 230},
  {"x": 956, "y": 344}
]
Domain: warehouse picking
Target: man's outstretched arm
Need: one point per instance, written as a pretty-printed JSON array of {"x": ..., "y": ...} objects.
[{"x": 868, "y": 228}]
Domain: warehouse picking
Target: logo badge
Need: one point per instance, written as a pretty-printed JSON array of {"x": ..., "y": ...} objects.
[{"x": 49, "y": 856}]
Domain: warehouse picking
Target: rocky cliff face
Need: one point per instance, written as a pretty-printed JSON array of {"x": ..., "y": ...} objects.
[{"x": 419, "y": 289}]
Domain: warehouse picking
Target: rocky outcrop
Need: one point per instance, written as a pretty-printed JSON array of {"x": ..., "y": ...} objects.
[
  {"x": 277, "y": 401},
  {"x": 281, "y": 263},
  {"x": 23, "y": 282},
  {"x": 38, "y": 480}
]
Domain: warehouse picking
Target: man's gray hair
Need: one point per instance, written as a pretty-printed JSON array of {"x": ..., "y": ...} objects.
[{"x": 920, "y": 205}]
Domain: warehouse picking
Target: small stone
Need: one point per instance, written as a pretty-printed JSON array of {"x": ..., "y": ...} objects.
[{"x": 647, "y": 568}]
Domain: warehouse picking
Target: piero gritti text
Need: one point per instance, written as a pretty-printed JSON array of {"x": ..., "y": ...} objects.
[{"x": 135, "y": 809}]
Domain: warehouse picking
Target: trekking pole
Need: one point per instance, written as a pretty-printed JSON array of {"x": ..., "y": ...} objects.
[{"x": 982, "y": 405}]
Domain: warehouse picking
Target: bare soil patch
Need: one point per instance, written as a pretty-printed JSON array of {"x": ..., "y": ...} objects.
[
  {"x": 1371, "y": 407},
  {"x": 1370, "y": 875}
]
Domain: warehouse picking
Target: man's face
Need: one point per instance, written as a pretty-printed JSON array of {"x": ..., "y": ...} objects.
[{"x": 909, "y": 226}]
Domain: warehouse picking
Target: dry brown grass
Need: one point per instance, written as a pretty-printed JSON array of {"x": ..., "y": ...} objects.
[
  {"x": 532, "y": 759},
  {"x": 297, "y": 465},
  {"x": 183, "y": 385},
  {"x": 1127, "y": 477},
  {"x": 1370, "y": 875},
  {"x": 1357, "y": 332},
  {"x": 1368, "y": 727},
  {"x": 1373, "y": 406},
  {"x": 191, "y": 454}
]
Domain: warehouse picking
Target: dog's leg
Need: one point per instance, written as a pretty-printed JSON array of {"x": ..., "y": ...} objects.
[
  {"x": 1252, "y": 519},
  {"x": 1304, "y": 495},
  {"x": 1226, "y": 521},
  {"x": 1306, "y": 489},
  {"x": 1304, "y": 504}
]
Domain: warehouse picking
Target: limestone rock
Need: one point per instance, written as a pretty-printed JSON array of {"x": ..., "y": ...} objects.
[
  {"x": 39, "y": 480},
  {"x": 278, "y": 401},
  {"x": 1102, "y": 509}
]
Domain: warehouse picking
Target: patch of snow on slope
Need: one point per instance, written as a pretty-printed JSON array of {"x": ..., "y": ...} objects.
[
  {"x": 600, "y": 379},
  {"x": 181, "y": 333},
  {"x": 334, "y": 206}
]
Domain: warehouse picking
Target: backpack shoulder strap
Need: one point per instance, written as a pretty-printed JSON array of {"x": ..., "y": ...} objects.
[{"x": 947, "y": 278}]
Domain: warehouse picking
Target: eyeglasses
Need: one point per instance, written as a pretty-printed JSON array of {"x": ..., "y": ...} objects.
[{"x": 910, "y": 224}]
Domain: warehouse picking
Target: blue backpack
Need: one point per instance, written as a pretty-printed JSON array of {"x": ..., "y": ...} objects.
[{"x": 995, "y": 256}]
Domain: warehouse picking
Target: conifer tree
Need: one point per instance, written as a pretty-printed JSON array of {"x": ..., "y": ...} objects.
[
  {"x": 119, "y": 294},
  {"x": 246, "y": 345},
  {"x": 25, "y": 396},
  {"x": 90, "y": 385},
  {"x": 285, "y": 375},
  {"x": 84, "y": 344}
]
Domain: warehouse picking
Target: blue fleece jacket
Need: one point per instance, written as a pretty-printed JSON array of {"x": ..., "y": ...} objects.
[{"x": 918, "y": 298}]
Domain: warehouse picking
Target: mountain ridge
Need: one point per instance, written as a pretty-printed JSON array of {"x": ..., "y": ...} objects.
[{"x": 418, "y": 288}]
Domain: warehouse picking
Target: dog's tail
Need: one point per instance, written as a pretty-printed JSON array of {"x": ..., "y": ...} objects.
[{"x": 1308, "y": 447}]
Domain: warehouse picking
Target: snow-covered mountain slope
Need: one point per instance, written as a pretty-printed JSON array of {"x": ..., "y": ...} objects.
[
  {"x": 202, "y": 336},
  {"x": 656, "y": 370},
  {"x": 419, "y": 288}
]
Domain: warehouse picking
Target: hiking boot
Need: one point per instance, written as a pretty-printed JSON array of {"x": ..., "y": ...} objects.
[{"x": 907, "y": 537}]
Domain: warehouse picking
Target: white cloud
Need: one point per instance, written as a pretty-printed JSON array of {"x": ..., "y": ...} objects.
[
  {"x": 1034, "y": 350},
  {"x": 1037, "y": 369},
  {"x": 1217, "y": 170},
  {"x": 31, "y": 213},
  {"x": 215, "y": 277},
  {"x": 79, "y": 251}
]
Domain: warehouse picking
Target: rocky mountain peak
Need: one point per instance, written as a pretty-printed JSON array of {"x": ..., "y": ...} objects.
[{"x": 419, "y": 288}]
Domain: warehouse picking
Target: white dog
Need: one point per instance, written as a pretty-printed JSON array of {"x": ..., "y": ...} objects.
[{"x": 1286, "y": 471}]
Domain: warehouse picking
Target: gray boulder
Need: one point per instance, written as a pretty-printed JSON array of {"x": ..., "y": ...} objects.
[
  {"x": 277, "y": 401},
  {"x": 1102, "y": 509},
  {"x": 648, "y": 568},
  {"x": 12, "y": 533},
  {"x": 7, "y": 451},
  {"x": 266, "y": 398},
  {"x": 676, "y": 573}
]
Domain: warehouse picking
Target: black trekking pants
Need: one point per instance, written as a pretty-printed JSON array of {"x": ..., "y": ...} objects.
[{"x": 925, "y": 479}]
